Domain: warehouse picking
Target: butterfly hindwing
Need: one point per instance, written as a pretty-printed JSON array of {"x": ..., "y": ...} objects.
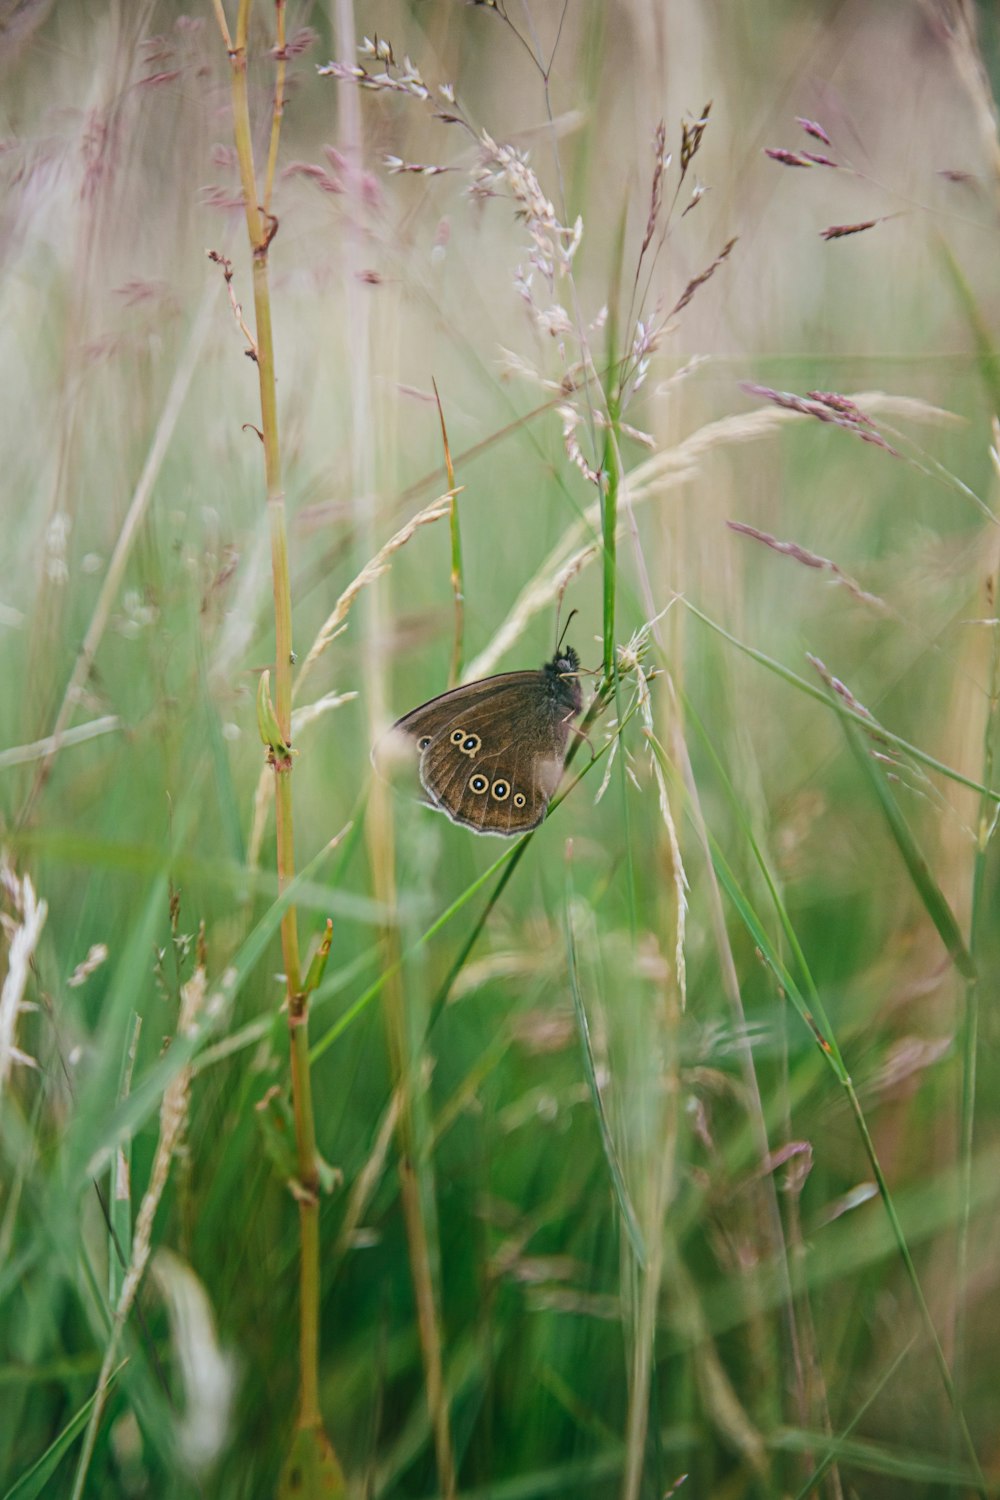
[
  {"x": 500, "y": 774},
  {"x": 491, "y": 753}
]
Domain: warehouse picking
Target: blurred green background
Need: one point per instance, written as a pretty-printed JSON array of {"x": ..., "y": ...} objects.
[{"x": 773, "y": 1325}]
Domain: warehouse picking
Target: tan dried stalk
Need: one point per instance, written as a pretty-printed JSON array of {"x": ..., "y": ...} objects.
[
  {"x": 416, "y": 1172},
  {"x": 312, "y": 1447}
]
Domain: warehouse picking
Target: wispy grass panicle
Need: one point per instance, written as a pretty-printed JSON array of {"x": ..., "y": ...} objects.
[
  {"x": 501, "y": 170},
  {"x": 661, "y": 161},
  {"x": 810, "y": 560},
  {"x": 813, "y": 128},
  {"x": 787, "y": 158},
  {"x": 692, "y": 135},
  {"x": 863, "y": 175},
  {"x": 841, "y": 231},
  {"x": 826, "y": 406},
  {"x": 700, "y": 280}
]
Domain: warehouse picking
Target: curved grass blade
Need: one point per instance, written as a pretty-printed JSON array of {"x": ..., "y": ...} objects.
[
  {"x": 821, "y": 696},
  {"x": 34, "y": 1481},
  {"x": 607, "y": 1140},
  {"x": 930, "y": 893},
  {"x": 834, "y": 1450}
]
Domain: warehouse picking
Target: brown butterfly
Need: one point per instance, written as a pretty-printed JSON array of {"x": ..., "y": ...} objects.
[{"x": 492, "y": 752}]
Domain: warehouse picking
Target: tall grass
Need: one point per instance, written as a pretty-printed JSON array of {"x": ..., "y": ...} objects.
[{"x": 653, "y": 1153}]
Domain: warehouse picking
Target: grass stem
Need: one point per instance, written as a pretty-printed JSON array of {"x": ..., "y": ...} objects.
[{"x": 261, "y": 228}]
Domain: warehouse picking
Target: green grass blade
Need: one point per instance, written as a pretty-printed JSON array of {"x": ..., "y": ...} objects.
[
  {"x": 787, "y": 926},
  {"x": 34, "y": 1481},
  {"x": 820, "y": 694},
  {"x": 930, "y": 893},
  {"x": 120, "y": 1196},
  {"x": 607, "y": 1139},
  {"x": 986, "y": 353}
]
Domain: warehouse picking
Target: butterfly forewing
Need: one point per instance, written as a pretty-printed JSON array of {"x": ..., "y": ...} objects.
[{"x": 432, "y": 717}]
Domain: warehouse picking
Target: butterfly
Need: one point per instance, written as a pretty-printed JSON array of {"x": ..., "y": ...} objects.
[{"x": 491, "y": 753}]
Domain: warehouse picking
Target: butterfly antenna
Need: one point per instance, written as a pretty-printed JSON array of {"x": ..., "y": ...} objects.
[{"x": 569, "y": 622}]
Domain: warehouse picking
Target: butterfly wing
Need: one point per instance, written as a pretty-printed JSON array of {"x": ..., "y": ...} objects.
[
  {"x": 491, "y": 753},
  {"x": 494, "y": 758},
  {"x": 433, "y": 715}
]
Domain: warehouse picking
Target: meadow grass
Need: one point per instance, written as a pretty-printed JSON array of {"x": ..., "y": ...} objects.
[{"x": 344, "y": 1152}]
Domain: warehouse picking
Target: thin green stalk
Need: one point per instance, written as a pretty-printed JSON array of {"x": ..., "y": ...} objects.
[
  {"x": 970, "y": 1028},
  {"x": 610, "y": 483},
  {"x": 611, "y": 468},
  {"x": 119, "y": 1207},
  {"x": 458, "y": 963},
  {"x": 629, "y": 1220},
  {"x": 279, "y": 100},
  {"x": 457, "y": 571},
  {"x": 377, "y": 986},
  {"x": 626, "y": 817},
  {"x": 458, "y": 593}
]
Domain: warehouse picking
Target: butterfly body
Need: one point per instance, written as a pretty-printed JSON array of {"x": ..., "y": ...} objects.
[{"x": 491, "y": 753}]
